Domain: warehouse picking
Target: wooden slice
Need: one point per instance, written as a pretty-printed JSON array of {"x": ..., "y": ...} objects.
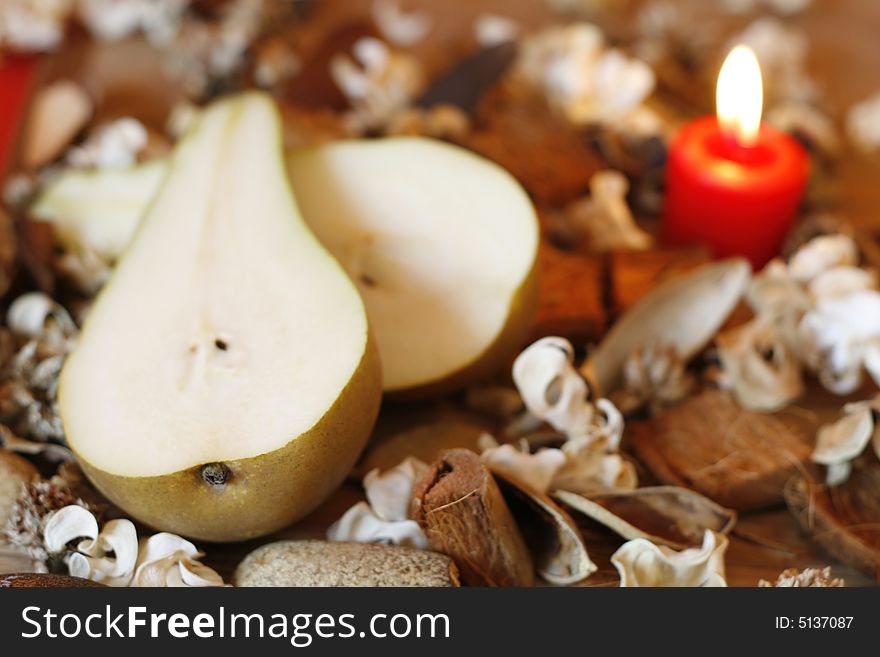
[{"x": 736, "y": 457}]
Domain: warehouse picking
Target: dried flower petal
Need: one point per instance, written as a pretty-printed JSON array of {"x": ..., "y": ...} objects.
[
  {"x": 863, "y": 124},
  {"x": 538, "y": 470},
  {"x": 605, "y": 219},
  {"x": 29, "y": 313},
  {"x": 385, "y": 515},
  {"x": 578, "y": 74},
  {"x": 390, "y": 493},
  {"x": 763, "y": 373},
  {"x": 492, "y": 30},
  {"x": 398, "y": 26},
  {"x": 840, "y": 443},
  {"x": 653, "y": 376},
  {"x": 171, "y": 561},
  {"x": 644, "y": 564},
  {"x": 362, "y": 525},
  {"x": 809, "y": 577},
  {"x": 378, "y": 82},
  {"x": 116, "y": 144},
  {"x": 67, "y": 524}
]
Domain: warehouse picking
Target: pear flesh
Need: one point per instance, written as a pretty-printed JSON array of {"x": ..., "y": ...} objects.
[
  {"x": 442, "y": 245},
  {"x": 225, "y": 382}
]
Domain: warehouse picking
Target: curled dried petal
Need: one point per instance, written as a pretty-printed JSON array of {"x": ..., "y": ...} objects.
[
  {"x": 390, "y": 493},
  {"x": 362, "y": 525},
  {"x": 641, "y": 563},
  {"x": 68, "y": 524}
]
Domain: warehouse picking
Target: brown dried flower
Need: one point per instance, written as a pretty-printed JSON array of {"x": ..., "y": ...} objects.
[
  {"x": 39, "y": 336},
  {"x": 809, "y": 577},
  {"x": 24, "y": 529}
]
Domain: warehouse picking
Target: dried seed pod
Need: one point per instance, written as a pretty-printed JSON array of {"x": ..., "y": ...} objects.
[
  {"x": 684, "y": 313},
  {"x": 559, "y": 551},
  {"x": 668, "y": 515},
  {"x": 463, "y": 513}
]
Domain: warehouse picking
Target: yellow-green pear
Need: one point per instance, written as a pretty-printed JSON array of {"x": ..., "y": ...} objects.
[{"x": 225, "y": 380}]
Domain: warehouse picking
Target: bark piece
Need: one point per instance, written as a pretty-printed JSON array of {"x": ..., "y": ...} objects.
[
  {"x": 570, "y": 300},
  {"x": 843, "y": 519},
  {"x": 560, "y": 554},
  {"x": 464, "y": 515},
  {"x": 738, "y": 458}
]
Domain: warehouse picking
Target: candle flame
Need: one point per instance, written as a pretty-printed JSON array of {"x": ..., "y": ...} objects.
[{"x": 740, "y": 96}]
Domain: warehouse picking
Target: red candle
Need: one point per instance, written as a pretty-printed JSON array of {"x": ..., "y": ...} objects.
[
  {"x": 733, "y": 184},
  {"x": 16, "y": 77}
]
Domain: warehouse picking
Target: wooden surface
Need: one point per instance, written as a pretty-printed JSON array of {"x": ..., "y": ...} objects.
[{"x": 845, "y": 57}]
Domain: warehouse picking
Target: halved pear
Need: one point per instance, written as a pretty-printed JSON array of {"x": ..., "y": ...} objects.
[
  {"x": 225, "y": 381},
  {"x": 99, "y": 209},
  {"x": 442, "y": 245}
]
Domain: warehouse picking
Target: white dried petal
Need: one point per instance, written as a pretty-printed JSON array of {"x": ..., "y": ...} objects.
[
  {"x": 654, "y": 375},
  {"x": 845, "y": 439},
  {"x": 400, "y": 27},
  {"x": 66, "y": 525},
  {"x": 840, "y": 330},
  {"x": 384, "y": 517},
  {"x": 390, "y": 493},
  {"x": 168, "y": 560},
  {"x": 837, "y": 473},
  {"x": 115, "y": 145},
  {"x": 605, "y": 217},
  {"x": 27, "y": 315},
  {"x": 593, "y": 466},
  {"x": 838, "y": 444},
  {"x": 492, "y": 30},
  {"x": 761, "y": 370},
  {"x": 821, "y": 254},
  {"x": 93, "y": 558},
  {"x": 33, "y": 25},
  {"x": 378, "y": 83},
  {"x": 841, "y": 281},
  {"x": 641, "y": 563},
  {"x": 863, "y": 124},
  {"x": 538, "y": 470},
  {"x": 112, "y": 20},
  {"x": 360, "y": 524},
  {"x": 551, "y": 388},
  {"x": 578, "y": 74}
]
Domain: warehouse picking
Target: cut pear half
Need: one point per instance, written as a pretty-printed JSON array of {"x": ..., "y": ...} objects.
[
  {"x": 224, "y": 382},
  {"x": 99, "y": 209},
  {"x": 442, "y": 245}
]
